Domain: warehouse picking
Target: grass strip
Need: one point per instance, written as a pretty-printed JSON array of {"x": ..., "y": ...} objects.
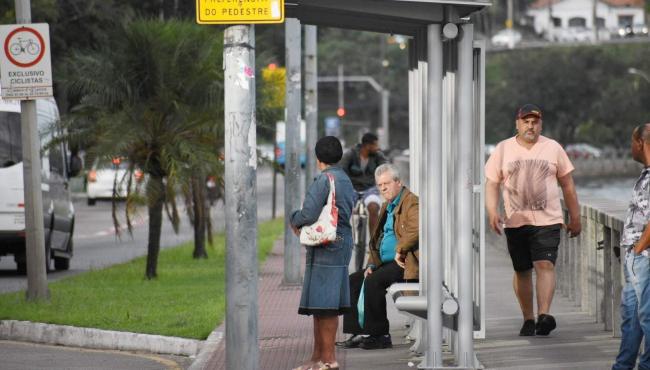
[{"x": 186, "y": 300}]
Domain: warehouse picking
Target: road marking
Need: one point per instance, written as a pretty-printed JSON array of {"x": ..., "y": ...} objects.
[{"x": 111, "y": 231}]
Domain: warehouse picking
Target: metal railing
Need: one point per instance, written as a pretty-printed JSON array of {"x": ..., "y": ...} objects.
[{"x": 589, "y": 269}]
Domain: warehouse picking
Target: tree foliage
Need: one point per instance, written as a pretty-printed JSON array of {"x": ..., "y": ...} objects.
[
  {"x": 586, "y": 92},
  {"x": 154, "y": 94}
]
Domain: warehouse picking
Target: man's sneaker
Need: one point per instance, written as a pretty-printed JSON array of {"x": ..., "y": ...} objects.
[
  {"x": 545, "y": 324},
  {"x": 352, "y": 342},
  {"x": 528, "y": 329},
  {"x": 376, "y": 342}
]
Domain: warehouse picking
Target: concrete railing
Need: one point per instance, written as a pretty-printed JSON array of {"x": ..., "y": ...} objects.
[
  {"x": 589, "y": 269},
  {"x": 607, "y": 166}
]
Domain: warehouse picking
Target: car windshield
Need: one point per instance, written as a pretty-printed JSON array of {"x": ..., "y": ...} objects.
[{"x": 10, "y": 139}]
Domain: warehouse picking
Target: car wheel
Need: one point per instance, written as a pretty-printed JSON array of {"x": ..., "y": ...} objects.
[{"x": 92, "y": 201}]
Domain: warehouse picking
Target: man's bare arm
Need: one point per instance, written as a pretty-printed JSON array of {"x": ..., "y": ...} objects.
[
  {"x": 491, "y": 205},
  {"x": 574, "y": 227}
]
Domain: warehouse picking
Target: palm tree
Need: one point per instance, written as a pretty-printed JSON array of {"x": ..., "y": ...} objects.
[{"x": 154, "y": 94}]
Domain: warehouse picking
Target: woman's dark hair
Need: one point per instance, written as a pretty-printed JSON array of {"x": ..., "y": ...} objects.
[{"x": 329, "y": 150}]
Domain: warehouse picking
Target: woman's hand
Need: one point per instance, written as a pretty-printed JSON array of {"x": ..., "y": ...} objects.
[{"x": 295, "y": 230}]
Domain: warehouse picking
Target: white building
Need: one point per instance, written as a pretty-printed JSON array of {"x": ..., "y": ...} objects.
[{"x": 566, "y": 14}]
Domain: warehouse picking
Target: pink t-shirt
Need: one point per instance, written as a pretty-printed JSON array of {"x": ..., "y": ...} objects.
[{"x": 528, "y": 178}]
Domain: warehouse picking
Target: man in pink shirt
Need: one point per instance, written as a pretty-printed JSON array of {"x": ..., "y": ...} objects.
[{"x": 528, "y": 168}]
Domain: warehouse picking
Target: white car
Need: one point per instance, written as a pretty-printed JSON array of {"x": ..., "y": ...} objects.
[
  {"x": 102, "y": 177},
  {"x": 506, "y": 37}
]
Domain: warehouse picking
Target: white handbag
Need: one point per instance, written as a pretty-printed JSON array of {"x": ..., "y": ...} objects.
[{"x": 323, "y": 231}]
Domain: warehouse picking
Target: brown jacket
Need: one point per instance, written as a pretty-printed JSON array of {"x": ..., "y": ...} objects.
[{"x": 406, "y": 231}]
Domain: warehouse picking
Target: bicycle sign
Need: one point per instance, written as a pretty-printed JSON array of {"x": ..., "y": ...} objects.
[{"x": 25, "y": 65}]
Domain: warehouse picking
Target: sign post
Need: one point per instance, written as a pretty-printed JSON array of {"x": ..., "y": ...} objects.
[
  {"x": 26, "y": 73},
  {"x": 242, "y": 350}
]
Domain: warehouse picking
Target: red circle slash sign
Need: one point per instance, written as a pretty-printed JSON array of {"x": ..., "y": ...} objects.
[{"x": 40, "y": 41}]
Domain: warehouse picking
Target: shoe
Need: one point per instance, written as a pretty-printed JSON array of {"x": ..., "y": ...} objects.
[
  {"x": 545, "y": 324},
  {"x": 528, "y": 329},
  {"x": 352, "y": 342},
  {"x": 376, "y": 342},
  {"x": 326, "y": 366}
]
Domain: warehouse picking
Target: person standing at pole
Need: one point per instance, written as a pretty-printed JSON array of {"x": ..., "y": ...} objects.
[
  {"x": 528, "y": 168},
  {"x": 635, "y": 240}
]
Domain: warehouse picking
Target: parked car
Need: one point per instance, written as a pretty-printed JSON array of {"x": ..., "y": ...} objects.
[
  {"x": 582, "y": 151},
  {"x": 102, "y": 176},
  {"x": 505, "y": 37},
  {"x": 640, "y": 30},
  {"x": 57, "y": 166}
]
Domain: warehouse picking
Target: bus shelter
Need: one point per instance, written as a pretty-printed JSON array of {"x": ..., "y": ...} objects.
[{"x": 446, "y": 139}]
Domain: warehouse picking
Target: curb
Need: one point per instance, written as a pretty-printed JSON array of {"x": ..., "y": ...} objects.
[
  {"x": 27, "y": 331},
  {"x": 209, "y": 347}
]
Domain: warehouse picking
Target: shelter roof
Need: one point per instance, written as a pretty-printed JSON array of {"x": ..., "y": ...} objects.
[
  {"x": 402, "y": 17},
  {"x": 540, "y": 4}
]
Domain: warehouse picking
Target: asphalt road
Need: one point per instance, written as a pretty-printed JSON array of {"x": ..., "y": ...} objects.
[
  {"x": 29, "y": 356},
  {"x": 97, "y": 246}
]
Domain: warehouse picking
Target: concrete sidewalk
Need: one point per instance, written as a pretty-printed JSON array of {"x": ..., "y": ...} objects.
[{"x": 286, "y": 337}]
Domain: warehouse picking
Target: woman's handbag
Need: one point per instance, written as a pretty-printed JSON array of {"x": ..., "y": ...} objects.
[{"x": 323, "y": 231}]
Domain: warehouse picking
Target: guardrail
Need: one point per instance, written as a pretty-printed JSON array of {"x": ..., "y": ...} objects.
[
  {"x": 589, "y": 269},
  {"x": 607, "y": 166}
]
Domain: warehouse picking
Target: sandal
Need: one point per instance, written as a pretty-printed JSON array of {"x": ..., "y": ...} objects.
[
  {"x": 307, "y": 366},
  {"x": 327, "y": 365}
]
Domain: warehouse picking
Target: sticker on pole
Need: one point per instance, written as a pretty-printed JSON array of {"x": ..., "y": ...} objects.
[
  {"x": 25, "y": 62},
  {"x": 239, "y": 11}
]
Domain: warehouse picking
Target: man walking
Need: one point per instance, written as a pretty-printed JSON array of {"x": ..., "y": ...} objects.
[
  {"x": 528, "y": 168},
  {"x": 394, "y": 257},
  {"x": 635, "y": 239}
]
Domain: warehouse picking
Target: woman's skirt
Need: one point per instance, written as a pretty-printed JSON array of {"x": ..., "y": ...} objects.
[{"x": 326, "y": 287}]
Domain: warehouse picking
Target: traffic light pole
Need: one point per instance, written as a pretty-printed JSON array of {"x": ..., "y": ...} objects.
[
  {"x": 34, "y": 230},
  {"x": 292, "y": 149}
]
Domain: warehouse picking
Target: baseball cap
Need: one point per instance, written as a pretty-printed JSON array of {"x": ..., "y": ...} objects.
[{"x": 529, "y": 110}]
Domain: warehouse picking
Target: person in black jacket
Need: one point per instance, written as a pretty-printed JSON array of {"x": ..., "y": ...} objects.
[{"x": 360, "y": 163}]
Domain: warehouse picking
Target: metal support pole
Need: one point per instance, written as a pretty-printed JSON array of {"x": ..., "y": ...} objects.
[
  {"x": 434, "y": 200},
  {"x": 413, "y": 138},
  {"x": 464, "y": 184},
  {"x": 292, "y": 149},
  {"x": 385, "y": 101},
  {"x": 241, "y": 199},
  {"x": 34, "y": 234},
  {"x": 311, "y": 101}
]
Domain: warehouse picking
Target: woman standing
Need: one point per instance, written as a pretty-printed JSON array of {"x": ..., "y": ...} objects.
[{"x": 326, "y": 290}]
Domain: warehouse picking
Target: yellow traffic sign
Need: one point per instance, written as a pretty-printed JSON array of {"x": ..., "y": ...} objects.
[{"x": 239, "y": 11}]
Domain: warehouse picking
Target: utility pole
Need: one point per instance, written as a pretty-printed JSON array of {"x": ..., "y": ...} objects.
[
  {"x": 594, "y": 17},
  {"x": 242, "y": 351},
  {"x": 292, "y": 149},
  {"x": 509, "y": 22},
  {"x": 311, "y": 101},
  {"x": 34, "y": 234}
]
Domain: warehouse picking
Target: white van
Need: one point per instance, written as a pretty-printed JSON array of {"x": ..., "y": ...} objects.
[{"x": 58, "y": 211}]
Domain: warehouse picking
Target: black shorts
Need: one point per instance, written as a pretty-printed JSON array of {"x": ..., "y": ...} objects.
[{"x": 528, "y": 243}]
